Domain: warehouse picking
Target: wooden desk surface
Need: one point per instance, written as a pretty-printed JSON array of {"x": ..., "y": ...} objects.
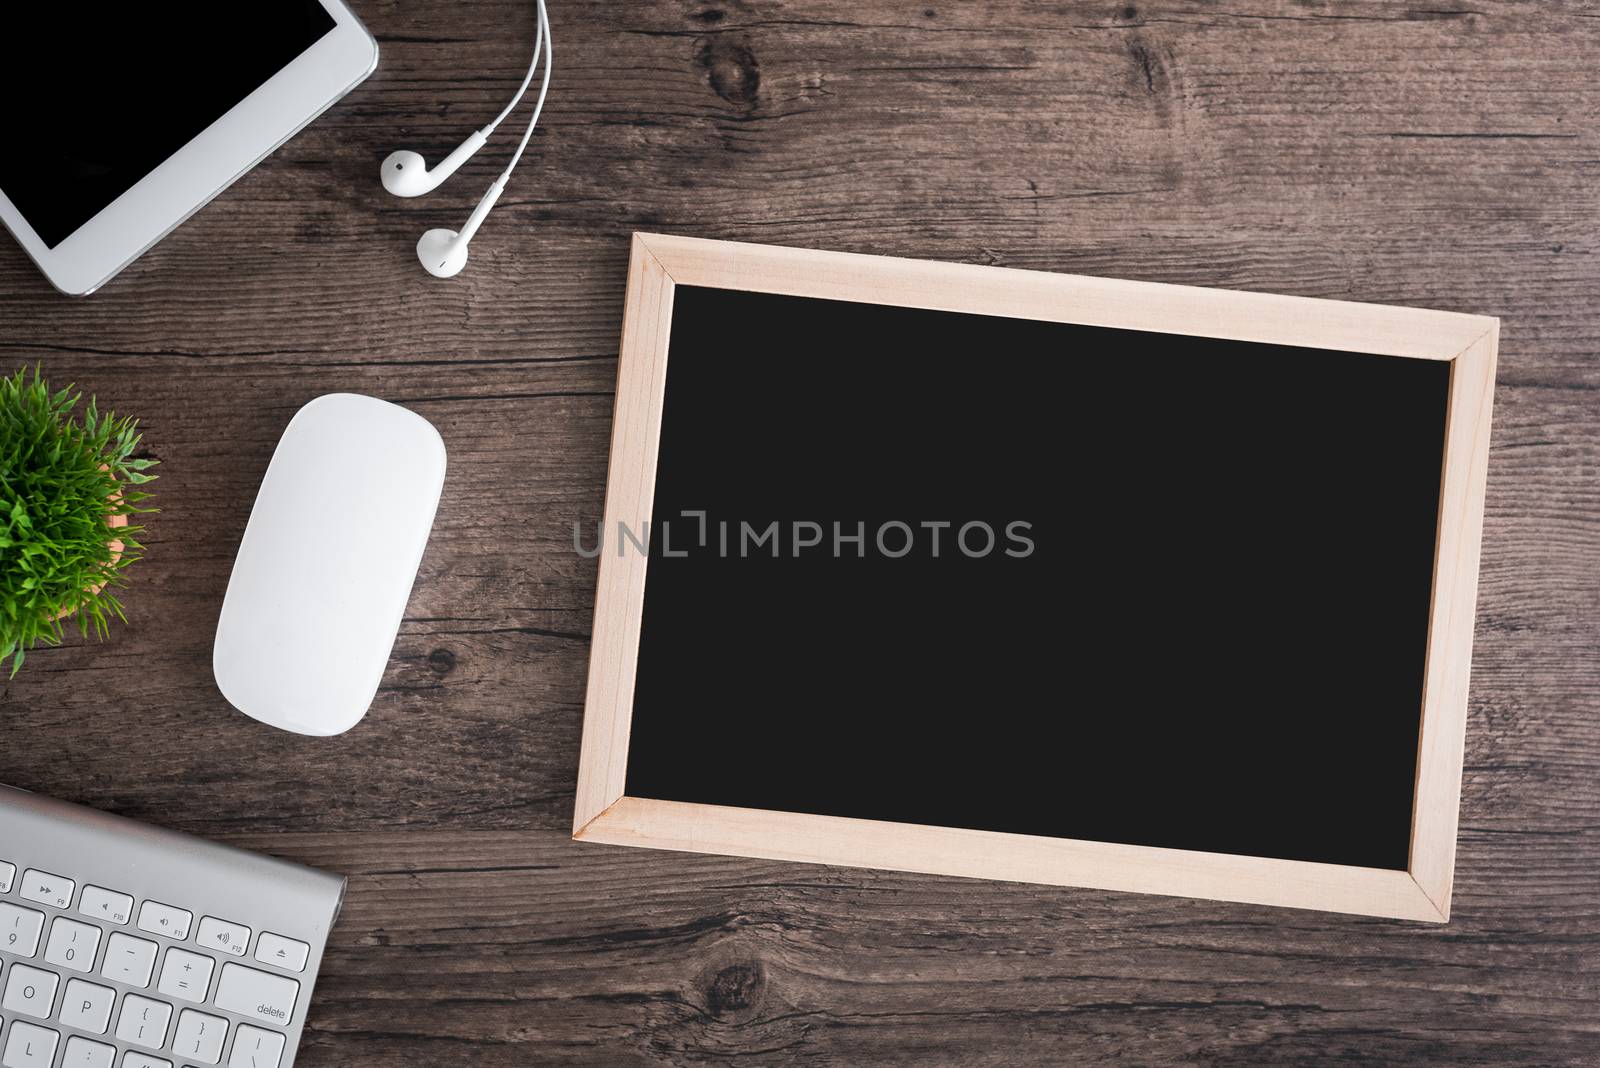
[{"x": 1443, "y": 158}]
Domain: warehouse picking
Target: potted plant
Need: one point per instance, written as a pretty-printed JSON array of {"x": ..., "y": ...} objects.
[{"x": 69, "y": 484}]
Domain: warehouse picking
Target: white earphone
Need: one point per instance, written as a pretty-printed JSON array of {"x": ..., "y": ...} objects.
[{"x": 406, "y": 174}]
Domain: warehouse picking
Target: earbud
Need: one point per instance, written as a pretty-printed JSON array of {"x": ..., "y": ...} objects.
[
  {"x": 406, "y": 174},
  {"x": 444, "y": 252}
]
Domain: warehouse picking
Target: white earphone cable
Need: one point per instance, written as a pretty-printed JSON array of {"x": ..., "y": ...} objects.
[
  {"x": 527, "y": 79},
  {"x": 544, "y": 87}
]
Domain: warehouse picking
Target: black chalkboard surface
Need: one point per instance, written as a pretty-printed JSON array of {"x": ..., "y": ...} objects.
[
  {"x": 1037, "y": 577},
  {"x": 1205, "y": 628}
]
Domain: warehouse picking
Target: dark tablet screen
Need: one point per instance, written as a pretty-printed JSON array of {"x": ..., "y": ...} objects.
[
  {"x": 99, "y": 96},
  {"x": 1061, "y": 580}
]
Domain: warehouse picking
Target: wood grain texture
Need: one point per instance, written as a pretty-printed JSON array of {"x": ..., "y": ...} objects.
[{"x": 1443, "y": 157}]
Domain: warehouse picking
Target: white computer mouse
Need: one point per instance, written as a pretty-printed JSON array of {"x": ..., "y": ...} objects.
[{"x": 326, "y": 565}]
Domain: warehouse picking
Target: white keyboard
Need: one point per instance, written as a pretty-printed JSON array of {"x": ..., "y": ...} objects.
[{"x": 125, "y": 946}]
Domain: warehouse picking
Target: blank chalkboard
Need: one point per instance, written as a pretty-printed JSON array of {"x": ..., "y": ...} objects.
[{"x": 1078, "y": 582}]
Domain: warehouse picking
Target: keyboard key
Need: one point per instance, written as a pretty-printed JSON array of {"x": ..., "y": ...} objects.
[
  {"x": 257, "y": 995},
  {"x": 30, "y": 1046},
  {"x": 223, "y": 937},
  {"x": 47, "y": 889},
  {"x": 19, "y": 930},
  {"x": 81, "y": 1053},
  {"x": 129, "y": 960},
  {"x": 185, "y": 975},
  {"x": 282, "y": 952},
  {"x": 87, "y": 1006},
  {"x": 255, "y": 1048},
  {"x": 132, "y": 1059},
  {"x": 143, "y": 1022},
  {"x": 8, "y": 875},
  {"x": 156, "y": 918},
  {"x": 30, "y": 992},
  {"x": 107, "y": 906},
  {"x": 199, "y": 1037},
  {"x": 72, "y": 945}
]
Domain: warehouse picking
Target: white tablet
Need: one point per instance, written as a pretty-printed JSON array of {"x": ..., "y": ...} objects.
[{"x": 124, "y": 119}]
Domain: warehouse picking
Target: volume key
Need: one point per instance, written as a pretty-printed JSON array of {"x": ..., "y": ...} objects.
[
  {"x": 223, "y": 937},
  {"x": 159, "y": 919},
  {"x": 108, "y": 906}
]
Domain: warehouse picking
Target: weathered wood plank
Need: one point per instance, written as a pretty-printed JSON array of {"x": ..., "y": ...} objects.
[{"x": 1368, "y": 151}]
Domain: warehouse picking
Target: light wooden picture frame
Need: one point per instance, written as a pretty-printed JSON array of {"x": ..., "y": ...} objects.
[{"x": 603, "y": 811}]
